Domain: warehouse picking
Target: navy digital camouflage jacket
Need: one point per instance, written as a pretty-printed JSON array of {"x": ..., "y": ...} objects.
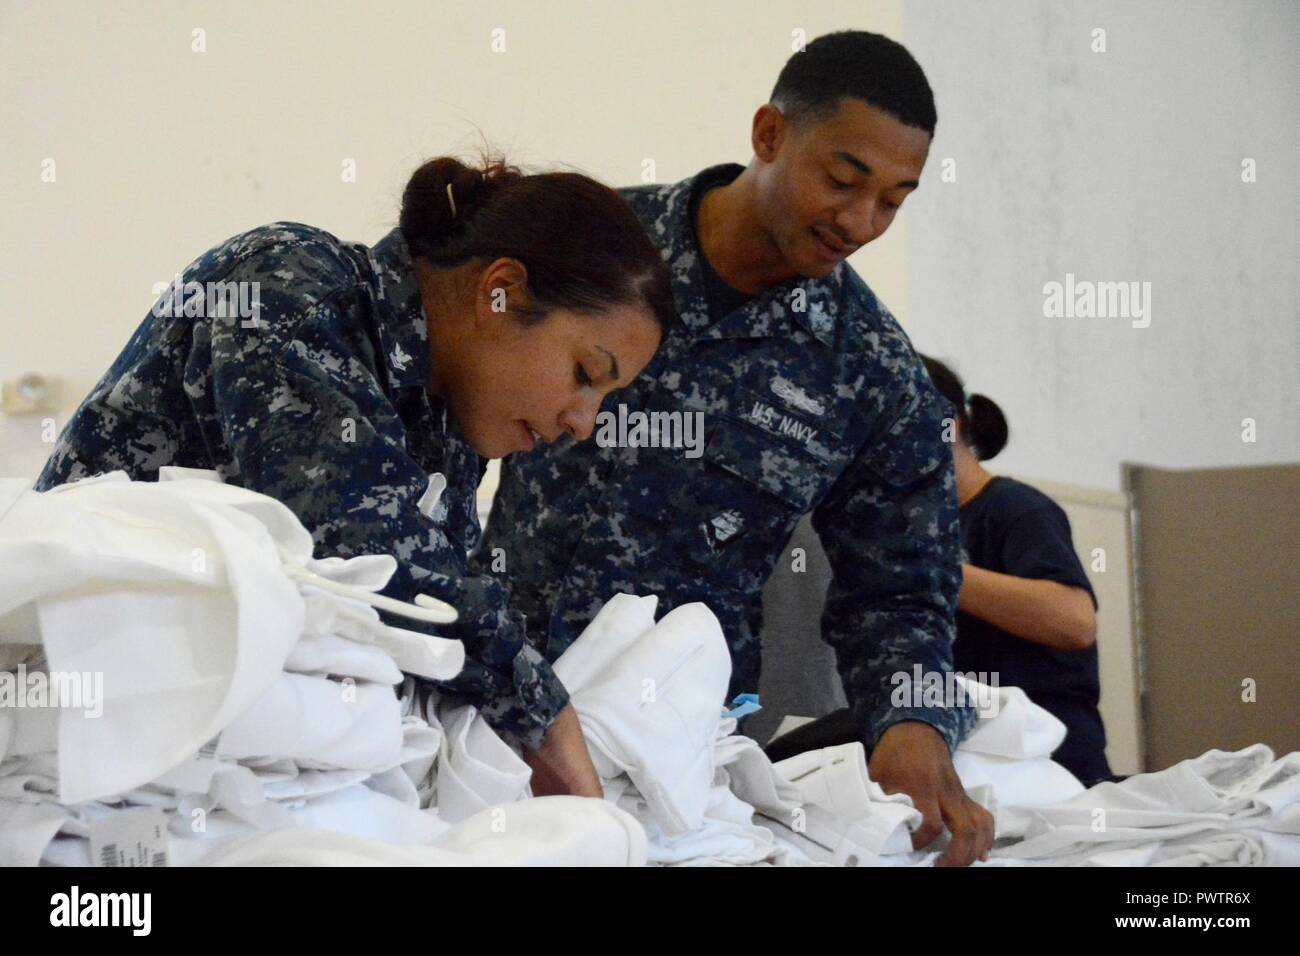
[
  {"x": 814, "y": 401},
  {"x": 319, "y": 400}
]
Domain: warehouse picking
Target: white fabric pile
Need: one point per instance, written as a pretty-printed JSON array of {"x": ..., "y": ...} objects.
[
  {"x": 1221, "y": 808},
  {"x": 234, "y": 702},
  {"x": 247, "y": 716}
]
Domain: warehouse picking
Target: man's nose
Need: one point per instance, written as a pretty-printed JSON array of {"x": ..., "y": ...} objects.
[{"x": 857, "y": 223}]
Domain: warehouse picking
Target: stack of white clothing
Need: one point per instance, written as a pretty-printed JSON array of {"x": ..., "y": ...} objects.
[
  {"x": 649, "y": 698},
  {"x": 1220, "y": 808},
  {"x": 249, "y": 716},
  {"x": 546, "y": 831},
  {"x": 237, "y": 699},
  {"x": 1010, "y": 749}
]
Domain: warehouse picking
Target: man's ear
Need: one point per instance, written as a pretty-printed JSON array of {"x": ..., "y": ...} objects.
[
  {"x": 770, "y": 129},
  {"x": 501, "y": 290}
]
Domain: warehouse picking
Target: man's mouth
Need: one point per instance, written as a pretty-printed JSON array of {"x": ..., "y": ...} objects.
[{"x": 828, "y": 246}]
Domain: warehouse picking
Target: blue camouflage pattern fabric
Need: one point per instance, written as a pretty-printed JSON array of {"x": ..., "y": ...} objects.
[
  {"x": 319, "y": 400},
  {"x": 813, "y": 401}
]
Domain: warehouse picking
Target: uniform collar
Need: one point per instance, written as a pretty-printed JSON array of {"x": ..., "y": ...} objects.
[
  {"x": 403, "y": 327},
  {"x": 766, "y": 316}
]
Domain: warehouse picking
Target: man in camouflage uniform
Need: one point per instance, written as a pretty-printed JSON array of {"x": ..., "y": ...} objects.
[
  {"x": 814, "y": 401},
  {"x": 317, "y": 396}
]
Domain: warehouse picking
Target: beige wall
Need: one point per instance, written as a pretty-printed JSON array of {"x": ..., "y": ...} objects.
[{"x": 160, "y": 152}]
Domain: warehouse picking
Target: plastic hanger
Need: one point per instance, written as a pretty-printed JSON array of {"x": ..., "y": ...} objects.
[{"x": 425, "y": 608}]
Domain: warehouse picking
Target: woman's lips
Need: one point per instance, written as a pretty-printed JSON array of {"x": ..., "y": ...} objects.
[{"x": 530, "y": 437}]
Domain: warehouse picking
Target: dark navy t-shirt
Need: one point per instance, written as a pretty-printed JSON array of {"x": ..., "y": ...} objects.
[{"x": 1012, "y": 528}]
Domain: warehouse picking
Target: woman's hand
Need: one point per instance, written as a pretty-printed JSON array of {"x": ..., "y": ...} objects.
[{"x": 563, "y": 765}]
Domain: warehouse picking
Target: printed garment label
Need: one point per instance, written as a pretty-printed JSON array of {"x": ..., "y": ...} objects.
[{"x": 136, "y": 837}]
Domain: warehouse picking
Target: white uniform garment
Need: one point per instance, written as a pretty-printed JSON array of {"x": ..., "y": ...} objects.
[
  {"x": 844, "y": 810},
  {"x": 314, "y": 752},
  {"x": 328, "y": 654},
  {"x": 727, "y": 836},
  {"x": 411, "y": 652},
  {"x": 27, "y": 830},
  {"x": 1009, "y": 749},
  {"x": 1023, "y": 782},
  {"x": 649, "y": 703},
  {"x": 1019, "y": 728},
  {"x": 477, "y": 770},
  {"x": 363, "y": 812},
  {"x": 319, "y": 723},
  {"x": 192, "y": 617},
  {"x": 751, "y": 775},
  {"x": 546, "y": 831},
  {"x": 1192, "y": 805}
]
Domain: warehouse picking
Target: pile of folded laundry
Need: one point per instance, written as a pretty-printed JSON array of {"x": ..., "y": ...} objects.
[
  {"x": 224, "y": 698},
  {"x": 217, "y": 686}
]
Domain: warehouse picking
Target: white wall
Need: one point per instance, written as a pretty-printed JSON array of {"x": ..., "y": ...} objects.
[
  {"x": 1122, "y": 165},
  {"x": 161, "y": 152}
]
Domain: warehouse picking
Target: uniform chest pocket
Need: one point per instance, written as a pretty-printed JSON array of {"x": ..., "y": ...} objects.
[
  {"x": 750, "y": 490},
  {"x": 784, "y": 469}
]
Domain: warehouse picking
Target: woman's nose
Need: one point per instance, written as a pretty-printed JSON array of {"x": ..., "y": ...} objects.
[{"x": 579, "y": 419}]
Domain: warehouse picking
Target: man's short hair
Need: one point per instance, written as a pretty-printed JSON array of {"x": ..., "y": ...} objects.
[{"x": 865, "y": 66}]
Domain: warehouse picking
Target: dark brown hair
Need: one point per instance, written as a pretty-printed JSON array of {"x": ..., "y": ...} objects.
[
  {"x": 983, "y": 426},
  {"x": 582, "y": 245}
]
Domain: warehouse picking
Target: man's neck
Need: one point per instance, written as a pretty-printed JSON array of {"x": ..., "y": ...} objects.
[{"x": 734, "y": 241}]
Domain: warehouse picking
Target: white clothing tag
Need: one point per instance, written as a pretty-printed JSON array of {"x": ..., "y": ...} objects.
[
  {"x": 130, "y": 838},
  {"x": 432, "y": 494}
]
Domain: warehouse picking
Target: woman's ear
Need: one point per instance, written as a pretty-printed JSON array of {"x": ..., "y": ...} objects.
[{"x": 501, "y": 290}]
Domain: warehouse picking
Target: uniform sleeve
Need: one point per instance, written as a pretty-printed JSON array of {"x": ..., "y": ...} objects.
[
  {"x": 889, "y": 528},
  {"x": 1038, "y": 545},
  {"x": 309, "y": 425}
]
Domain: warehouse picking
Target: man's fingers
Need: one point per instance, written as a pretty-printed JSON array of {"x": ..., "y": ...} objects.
[
  {"x": 971, "y": 827},
  {"x": 961, "y": 848},
  {"x": 987, "y": 831},
  {"x": 931, "y": 824}
]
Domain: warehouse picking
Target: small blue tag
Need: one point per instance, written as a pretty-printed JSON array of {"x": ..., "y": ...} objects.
[{"x": 743, "y": 706}]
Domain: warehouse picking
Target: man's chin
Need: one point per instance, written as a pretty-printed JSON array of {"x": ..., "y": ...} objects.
[{"x": 818, "y": 269}]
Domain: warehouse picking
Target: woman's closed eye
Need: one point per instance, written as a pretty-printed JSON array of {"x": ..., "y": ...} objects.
[{"x": 581, "y": 375}]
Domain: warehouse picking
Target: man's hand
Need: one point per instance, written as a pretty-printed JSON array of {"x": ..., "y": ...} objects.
[
  {"x": 912, "y": 758},
  {"x": 563, "y": 765}
]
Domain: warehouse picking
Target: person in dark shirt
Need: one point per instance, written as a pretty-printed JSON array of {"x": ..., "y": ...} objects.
[{"x": 1026, "y": 611}]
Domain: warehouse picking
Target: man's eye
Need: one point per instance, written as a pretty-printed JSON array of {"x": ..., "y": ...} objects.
[
  {"x": 836, "y": 184},
  {"x": 581, "y": 375}
]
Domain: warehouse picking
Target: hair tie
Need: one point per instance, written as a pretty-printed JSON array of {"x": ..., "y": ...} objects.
[{"x": 451, "y": 199}]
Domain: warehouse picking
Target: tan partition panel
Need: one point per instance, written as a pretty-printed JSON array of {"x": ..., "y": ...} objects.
[
  {"x": 1099, "y": 524},
  {"x": 1216, "y": 553}
]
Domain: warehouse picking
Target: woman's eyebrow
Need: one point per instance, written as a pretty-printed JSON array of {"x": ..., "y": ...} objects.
[{"x": 613, "y": 364}]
